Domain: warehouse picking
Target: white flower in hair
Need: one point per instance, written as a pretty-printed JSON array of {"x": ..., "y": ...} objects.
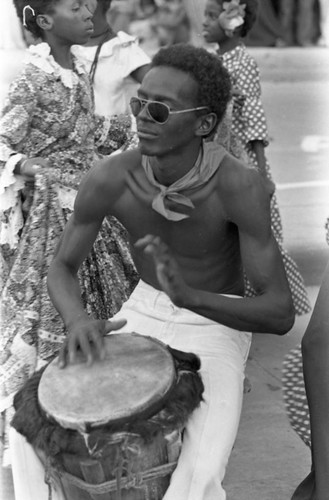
[{"x": 232, "y": 16}]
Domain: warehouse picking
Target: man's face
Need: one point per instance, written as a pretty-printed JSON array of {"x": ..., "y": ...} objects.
[
  {"x": 72, "y": 21},
  {"x": 178, "y": 90},
  {"x": 212, "y": 31}
]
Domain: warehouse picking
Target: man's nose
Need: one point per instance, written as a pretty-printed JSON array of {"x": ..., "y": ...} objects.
[{"x": 144, "y": 113}]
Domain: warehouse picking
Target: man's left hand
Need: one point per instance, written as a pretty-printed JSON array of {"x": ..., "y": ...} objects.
[{"x": 167, "y": 270}]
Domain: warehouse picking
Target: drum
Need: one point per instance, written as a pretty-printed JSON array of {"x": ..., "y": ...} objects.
[{"x": 112, "y": 430}]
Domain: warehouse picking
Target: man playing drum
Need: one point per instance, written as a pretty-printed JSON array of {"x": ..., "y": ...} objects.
[{"x": 197, "y": 219}]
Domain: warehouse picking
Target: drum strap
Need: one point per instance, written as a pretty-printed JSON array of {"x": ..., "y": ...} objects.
[{"x": 134, "y": 481}]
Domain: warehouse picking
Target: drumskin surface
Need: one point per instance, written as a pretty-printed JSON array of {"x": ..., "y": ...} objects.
[{"x": 136, "y": 374}]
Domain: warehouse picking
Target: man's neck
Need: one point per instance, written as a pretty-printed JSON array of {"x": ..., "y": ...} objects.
[{"x": 170, "y": 168}]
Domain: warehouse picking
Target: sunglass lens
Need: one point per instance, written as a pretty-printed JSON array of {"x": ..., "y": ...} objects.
[{"x": 158, "y": 111}]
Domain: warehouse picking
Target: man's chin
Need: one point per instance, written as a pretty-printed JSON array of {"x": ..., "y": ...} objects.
[{"x": 146, "y": 149}]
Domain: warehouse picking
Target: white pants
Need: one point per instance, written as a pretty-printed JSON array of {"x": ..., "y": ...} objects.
[{"x": 211, "y": 430}]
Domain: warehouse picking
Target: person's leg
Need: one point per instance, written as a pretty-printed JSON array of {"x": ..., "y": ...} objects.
[
  {"x": 209, "y": 435},
  {"x": 305, "y": 20},
  {"x": 28, "y": 471},
  {"x": 287, "y": 9},
  {"x": 306, "y": 489},
  {"x": 211, "y": 431},
  {"x": 324, "y": 23}
]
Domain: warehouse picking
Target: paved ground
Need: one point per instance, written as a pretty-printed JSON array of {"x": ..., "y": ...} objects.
[{"x": 269, "y": 459}]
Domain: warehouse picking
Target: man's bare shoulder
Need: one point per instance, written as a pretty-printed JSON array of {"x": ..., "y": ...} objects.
[
  {"x": 109, "y": 173},
  {"x": 234, "y": 176},
  {"x": 243, "y": 191},
  {"x": 119, "y": 164},
  {"x": 106, "y": 180}
]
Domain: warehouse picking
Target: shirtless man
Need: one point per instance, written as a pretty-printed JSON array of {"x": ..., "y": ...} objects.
[{"x": 196, "y": 218}]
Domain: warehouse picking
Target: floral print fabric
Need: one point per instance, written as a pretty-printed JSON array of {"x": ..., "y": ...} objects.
[{"x": 49, "y": 114}]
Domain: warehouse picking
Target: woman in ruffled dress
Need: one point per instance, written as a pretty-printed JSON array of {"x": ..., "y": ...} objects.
[
  {"x": 49, "y": 138},
  {"x": 226, "y": 24}
]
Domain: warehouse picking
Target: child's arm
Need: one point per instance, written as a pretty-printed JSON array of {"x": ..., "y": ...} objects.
[
  {"x": 15, "y": 124},
  {"x": 251, "y": 109},
  {"x": 259, "y": 150}
]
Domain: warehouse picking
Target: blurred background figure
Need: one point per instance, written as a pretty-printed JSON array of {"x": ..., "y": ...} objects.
[
  {"x": 194, "y": 10},
  {"x": 280, "y": 23},
  {"x": 171, "y": 23},
  {"x": 324, "y": 23},
  {"x": 267, "y": 30},
  {"x": 12, "y": 47},
  {"x": 297, "y": 19},
  {"x": 122, "y": 14}
]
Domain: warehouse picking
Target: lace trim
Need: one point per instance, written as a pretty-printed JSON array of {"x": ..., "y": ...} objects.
[
  {"x": 10, "y": 184},
  {"x": 10, "y": 230},
  {"x": 66, "y": 197},
  {"x": 121, "y": 40},
  {"x": 39, "y": 55}
]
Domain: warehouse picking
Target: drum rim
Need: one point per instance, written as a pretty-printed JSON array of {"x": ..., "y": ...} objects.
[{"x": 143, "y": 411}]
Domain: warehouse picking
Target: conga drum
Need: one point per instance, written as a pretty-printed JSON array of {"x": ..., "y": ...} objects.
[{"x": 112, "y": 430}]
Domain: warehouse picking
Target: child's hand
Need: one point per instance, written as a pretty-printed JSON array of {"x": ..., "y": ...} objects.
[{"x": 31, "y": 166}]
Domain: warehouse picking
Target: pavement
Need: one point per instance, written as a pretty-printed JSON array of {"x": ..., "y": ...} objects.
[{"x": 269, "y": 459}]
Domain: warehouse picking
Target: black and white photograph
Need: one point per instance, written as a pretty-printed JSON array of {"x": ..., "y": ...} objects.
[{"x": 164, "y": 250}]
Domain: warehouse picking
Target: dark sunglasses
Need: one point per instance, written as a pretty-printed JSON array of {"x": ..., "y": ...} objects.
[{"x": 158, "y": 111}]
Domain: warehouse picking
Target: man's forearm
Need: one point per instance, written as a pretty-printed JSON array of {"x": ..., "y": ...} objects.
[
  {"x": 261, "y": 314},
  {"x": 64, "y": 291}
]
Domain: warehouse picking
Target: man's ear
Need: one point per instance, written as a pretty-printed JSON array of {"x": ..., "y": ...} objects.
[
  {"x": 44, "y": 22},
  {"x": 206, "y": 124}
]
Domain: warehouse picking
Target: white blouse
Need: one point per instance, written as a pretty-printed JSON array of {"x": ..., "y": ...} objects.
[{"x": 113, "y": 86}]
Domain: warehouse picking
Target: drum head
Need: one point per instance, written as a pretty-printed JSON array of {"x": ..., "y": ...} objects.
[{"x": 136, "y": 374}]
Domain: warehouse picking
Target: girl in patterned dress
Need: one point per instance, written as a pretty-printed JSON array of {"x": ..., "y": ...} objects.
[
  {"x": 49, "y": 138},
  {"x": 226, "y": 24}
]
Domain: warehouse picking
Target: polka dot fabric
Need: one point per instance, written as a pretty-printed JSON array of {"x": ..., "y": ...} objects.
[
  {"x": 294, "y": 395},
  {"x": 249, "y": 124},
  {"x": 249, "y": 121}
]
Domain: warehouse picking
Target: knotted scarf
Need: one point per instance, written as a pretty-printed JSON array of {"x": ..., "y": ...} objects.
[{"x": 207, "y": 163}]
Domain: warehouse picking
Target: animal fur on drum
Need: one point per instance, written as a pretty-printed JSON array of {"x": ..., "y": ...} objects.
[{"x": 45, "y": 434}]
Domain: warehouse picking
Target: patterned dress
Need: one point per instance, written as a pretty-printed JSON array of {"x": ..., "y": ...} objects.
[
  {"x": 49, "y": 114},
  {"x": 248, "y": 123}
]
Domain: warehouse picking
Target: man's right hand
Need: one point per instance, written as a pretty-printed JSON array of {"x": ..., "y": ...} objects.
[{"x": 87, "y": 336}]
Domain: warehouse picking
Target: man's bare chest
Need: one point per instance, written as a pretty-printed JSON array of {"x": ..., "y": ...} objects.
[{"x": 202, "y": 232}]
